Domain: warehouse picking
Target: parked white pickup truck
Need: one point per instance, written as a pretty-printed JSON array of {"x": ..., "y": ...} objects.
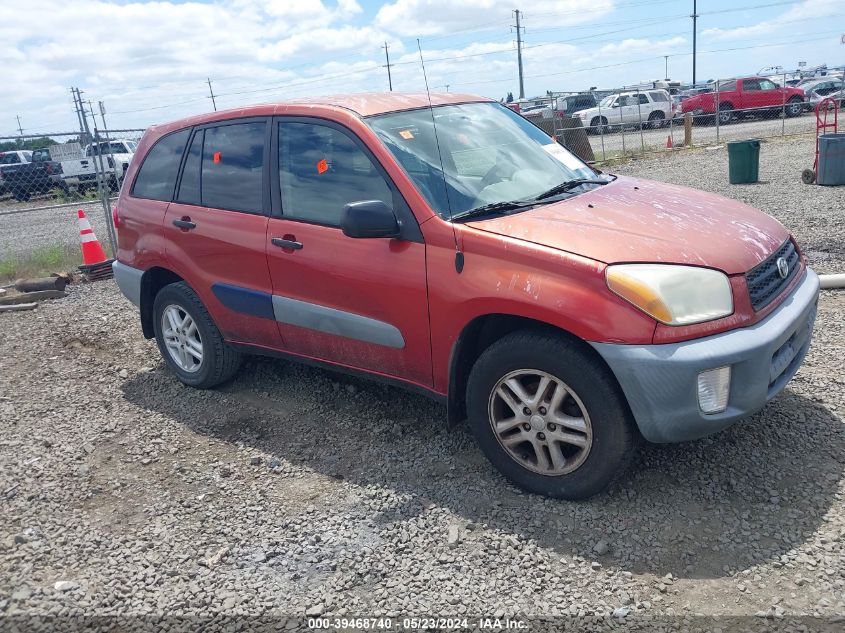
[{"x": 117, "y": 155}]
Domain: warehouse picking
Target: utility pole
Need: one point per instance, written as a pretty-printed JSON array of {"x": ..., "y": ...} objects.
[
  {"x": 388, "y": 65},
  {"x": 84, "y": 130},
  {"x": 447, "y": 87},
  {"x": 694, "y": 17},
  {"x": 519, "y": 30},
  {"x": 20, "y": 129},
  {"x": 666, "y": 74},
  {"x": 211, "y": 92}
]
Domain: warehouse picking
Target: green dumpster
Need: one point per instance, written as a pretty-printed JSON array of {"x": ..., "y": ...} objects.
[{"x": 743, "y": 161}]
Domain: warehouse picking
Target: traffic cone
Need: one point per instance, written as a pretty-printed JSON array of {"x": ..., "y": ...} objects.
[
  {"x": 669, "y": 144},
  {"x": 92, "y": 252}
]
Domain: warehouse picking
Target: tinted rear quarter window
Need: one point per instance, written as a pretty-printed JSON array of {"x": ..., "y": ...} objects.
[{"x": 157, "y": 175}]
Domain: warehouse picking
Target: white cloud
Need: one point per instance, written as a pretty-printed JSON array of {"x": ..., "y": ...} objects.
[
  {"x": 432, "y": 17},
  {"x": 809, "y": 9}
]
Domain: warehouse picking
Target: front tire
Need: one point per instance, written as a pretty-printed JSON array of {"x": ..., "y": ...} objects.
[
  {"x": 549, "y": 416},
  {"x": 794, "y": 107},
  {"x": 189, "y": 341}
]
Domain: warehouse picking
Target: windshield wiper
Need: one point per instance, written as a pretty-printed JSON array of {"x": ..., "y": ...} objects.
[
  {"x": 569, "y": 184},
  {"x": 507, "y": 205}
]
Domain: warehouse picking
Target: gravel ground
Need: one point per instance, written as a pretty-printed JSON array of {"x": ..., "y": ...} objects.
[{"x": 295, "y": 491}]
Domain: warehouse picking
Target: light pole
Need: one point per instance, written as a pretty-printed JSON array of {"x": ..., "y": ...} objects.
[{"x": 666, "y": 74}]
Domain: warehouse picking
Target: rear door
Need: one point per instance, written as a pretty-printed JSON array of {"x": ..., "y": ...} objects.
[
  {"x": 216, "y": 227},
  {"x": 360, "y": 303}
]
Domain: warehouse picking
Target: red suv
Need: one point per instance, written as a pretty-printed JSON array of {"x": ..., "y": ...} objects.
[{"x": 457, "y": 250}]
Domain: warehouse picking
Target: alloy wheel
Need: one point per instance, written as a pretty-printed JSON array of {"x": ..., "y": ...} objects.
[
  {"x": 182, "y": 338},
  {"x": 540, "y": 421}
]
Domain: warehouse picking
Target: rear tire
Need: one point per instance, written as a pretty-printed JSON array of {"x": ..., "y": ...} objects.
[
  {"x": 219, "y": 361},
  {"x": 656, "y": 120},
  {"x": 569, "y": 446}
]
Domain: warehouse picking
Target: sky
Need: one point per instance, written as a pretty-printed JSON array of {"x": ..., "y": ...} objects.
[{"x": 149, "y": 61}]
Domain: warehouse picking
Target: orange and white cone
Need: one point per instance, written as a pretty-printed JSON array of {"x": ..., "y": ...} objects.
[
  {"x": 92, "y": 252},
  {"x": 669, "y": 143}
]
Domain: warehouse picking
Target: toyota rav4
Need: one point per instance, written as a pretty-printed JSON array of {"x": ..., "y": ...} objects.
[{"x": 447, "y": 245}]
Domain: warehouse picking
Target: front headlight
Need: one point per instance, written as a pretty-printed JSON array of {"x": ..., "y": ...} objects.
[{"x": 674, "y": 295}]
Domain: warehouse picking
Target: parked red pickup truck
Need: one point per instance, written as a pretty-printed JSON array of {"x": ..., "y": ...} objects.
[
  {"x": 563, "y": 311},
  {"x": 745, "y": 96}
]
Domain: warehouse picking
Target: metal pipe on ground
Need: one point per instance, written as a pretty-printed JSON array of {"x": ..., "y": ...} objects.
[{"x": 829, "y": 282}]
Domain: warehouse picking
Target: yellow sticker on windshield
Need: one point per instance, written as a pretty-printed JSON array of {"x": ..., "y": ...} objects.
[{"x": 406, "y": 134}]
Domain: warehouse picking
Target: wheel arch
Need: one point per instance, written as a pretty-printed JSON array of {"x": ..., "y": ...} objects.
[
  {"x": 481, "y": 332},
  {"x": 152, "y": 281}
]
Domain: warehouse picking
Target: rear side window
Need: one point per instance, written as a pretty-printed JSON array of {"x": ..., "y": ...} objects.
[
  {"x": 157, "y": 175},
  {"x": 9, "y": 159},
  {"x": 659, "y": 96},
  {"x": 233, "y": 167}
]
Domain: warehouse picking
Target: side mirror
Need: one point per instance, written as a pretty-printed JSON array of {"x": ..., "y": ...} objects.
[
  {"x": 369, "y": 218},
  {"x": 615, "y": 104}
]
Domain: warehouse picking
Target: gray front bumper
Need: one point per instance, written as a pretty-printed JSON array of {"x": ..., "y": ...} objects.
[{"x": 661, "y": 381}]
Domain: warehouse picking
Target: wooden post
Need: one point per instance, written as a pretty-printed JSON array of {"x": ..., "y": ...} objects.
[{"x": 688, "y": 129}]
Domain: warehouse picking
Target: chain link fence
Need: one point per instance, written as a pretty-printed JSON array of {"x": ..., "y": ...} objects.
[
  {"x": 45, "y": 178},
  {"x": 637, "y": 120}
]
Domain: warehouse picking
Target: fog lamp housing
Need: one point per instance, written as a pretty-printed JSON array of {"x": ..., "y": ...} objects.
[{"x": 714, "y": 386}]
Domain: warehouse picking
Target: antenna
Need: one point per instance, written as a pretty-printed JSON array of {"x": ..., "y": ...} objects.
[{"x": 459, "y": 256}]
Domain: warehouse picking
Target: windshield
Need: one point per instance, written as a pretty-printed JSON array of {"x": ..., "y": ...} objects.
[
  {"x": 489, "y": 153},
  {"x": 605, "y": 103},
  {"x": 107, "y": 148}
]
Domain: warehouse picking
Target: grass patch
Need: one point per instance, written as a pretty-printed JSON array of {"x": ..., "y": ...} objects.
[{"x": 40, "y": 262}]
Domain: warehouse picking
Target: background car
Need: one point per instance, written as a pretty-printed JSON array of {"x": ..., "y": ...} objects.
[
  {"x": 649, "y": 108},
  {"x": 820, "y": 89}
]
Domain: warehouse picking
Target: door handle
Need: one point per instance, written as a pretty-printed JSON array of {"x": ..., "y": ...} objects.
[
  {"x": 185, "y": 224},
  {"x": 285, "y": 243}
]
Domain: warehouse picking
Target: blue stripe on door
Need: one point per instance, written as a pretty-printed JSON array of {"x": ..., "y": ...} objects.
[{"x": 245, "y": 300}]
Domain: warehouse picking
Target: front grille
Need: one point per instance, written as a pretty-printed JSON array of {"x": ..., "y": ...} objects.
[{"x": 764, "y": 280}]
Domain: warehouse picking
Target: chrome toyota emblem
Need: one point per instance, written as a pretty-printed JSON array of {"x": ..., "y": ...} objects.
[{"x": 783, "y": 267}]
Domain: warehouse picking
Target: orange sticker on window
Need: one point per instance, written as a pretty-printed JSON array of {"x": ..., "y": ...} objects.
[
  {"x": 322, "y": 167},
  {"x": 216, "y": 157},
  {"x": 406, "y": 134}
]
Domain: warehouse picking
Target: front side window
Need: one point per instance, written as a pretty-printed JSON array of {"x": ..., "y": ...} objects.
[
  {"x": 321, "y": 170},
  {"x": 643, "y": 99},
  {"x": 765, "y": 84},
  {"x": 157, "y": 175},
  {"x": 750, "y": 84},
  {"x": 233, "y": 167},
  {"x": 489, "y": 154}
]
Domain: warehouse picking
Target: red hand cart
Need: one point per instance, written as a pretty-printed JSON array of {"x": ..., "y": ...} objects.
[{"x": 823, "y": 109}]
